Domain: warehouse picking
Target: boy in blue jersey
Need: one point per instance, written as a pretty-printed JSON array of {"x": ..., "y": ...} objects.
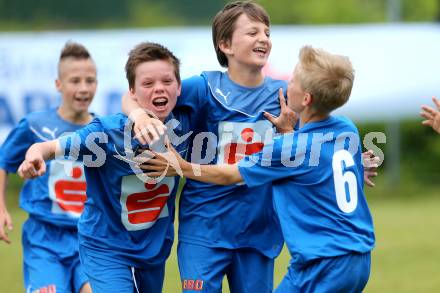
[
  {"x": 218, "y": 234},
  {"x": 228, "y": 230},
  {"x": 431, "y": 115},
  {"x": 317, "y": 177},
  {"x": 126, "y": 230},
  {"x": 54, "y": 201}
]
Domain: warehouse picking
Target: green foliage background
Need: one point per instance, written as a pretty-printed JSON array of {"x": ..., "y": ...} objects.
[{"x": 81, "y": 14}]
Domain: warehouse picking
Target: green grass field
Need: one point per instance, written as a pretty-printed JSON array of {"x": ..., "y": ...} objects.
[{"x": 406, "y": 257}]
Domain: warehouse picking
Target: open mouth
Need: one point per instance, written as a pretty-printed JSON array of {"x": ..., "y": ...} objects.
[
  {"x": 82, "y": 99},
  {"x": 160, "y": 102},
  {"x": 260, "y": 50}
]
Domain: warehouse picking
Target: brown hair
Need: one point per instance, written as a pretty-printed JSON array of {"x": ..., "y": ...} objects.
[
  {"x": 75, "y": 51},
  {"x": 327, "y": 77},
  {"x": 145, "y": 52},
  {"x": 223, "y": 25}
]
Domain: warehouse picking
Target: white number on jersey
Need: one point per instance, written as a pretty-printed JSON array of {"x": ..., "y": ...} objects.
[{"x": 346, "y": 202}]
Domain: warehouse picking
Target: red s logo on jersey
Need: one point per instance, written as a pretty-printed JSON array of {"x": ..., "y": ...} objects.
[
  {"x": 67, "y": 187},
  {"x": 142, "y": 204},
  {"x": 239, "y": 139}
]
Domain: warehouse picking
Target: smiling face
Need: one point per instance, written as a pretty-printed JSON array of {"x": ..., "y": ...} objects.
[
  {"x": 156, "y": 87},
  {"x": 250, "y": 44},
  {"x": 77, "y": 84}
]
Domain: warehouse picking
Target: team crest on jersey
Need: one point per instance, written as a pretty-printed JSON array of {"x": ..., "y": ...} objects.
[
  {"x": 67, "y": 187},
  {"x": 239, "y": 139},
  {"x": 143, "y": 203}
]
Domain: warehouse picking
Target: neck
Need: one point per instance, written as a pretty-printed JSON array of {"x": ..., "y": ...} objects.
[
  {"x": 308, "y": 116},
  {"x": 245, "y": 76},
  {"x": 74, "y": 117}
]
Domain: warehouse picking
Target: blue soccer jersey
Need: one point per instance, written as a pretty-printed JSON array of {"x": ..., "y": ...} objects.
[
  {"x": 125, "y": 219},
  {"x": 58, "y": 196},
  {"x": 317, "y": 177},
  {"x": 229, "y": 124}
]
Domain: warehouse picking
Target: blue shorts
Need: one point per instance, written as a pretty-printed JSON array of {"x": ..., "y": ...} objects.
[
  {"x": 50, "y": 258},
  {"x": 107, "y": 275},
  {"x": 346, "y": 273},
  {"x": 202, "y": 269}
]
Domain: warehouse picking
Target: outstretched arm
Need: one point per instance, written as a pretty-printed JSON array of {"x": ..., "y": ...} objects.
[
  {"x": 34, "y": 163},
  {"x": 431, "y": 115},
  {"x": 172, "y": 164},
  {"x": 147, "y": 128},
  {"x": 222, "y": 174},
  {"x": 5, "y": 218}
]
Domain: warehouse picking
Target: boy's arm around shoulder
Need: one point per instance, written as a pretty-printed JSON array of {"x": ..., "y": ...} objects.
[
  {"x": 223, "y": 174},
  {"x": 171, "y": 163}
]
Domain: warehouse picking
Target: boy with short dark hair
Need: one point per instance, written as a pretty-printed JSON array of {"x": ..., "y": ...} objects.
[
  {"x": 126, "y": 230},
  {"x": 229, "y": 230},
  {"x": 54, "y": 201}
]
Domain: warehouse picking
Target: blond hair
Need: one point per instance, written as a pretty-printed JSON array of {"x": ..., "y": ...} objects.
[{"x": 327, "y": 77}]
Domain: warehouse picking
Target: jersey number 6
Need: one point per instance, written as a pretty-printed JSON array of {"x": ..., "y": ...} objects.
[{"x": 346, "y": 202}]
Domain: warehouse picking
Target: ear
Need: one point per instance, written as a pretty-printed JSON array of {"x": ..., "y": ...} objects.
[
  {"x": 131, "y": 90},
  {"x": 179, "y": 89},
  {"x": 307, "y": 100},
  {"x": 58, "y": 84},
  {"x": 225, "y": 47}
]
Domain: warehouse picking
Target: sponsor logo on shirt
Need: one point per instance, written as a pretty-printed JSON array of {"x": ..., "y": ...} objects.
[
  {"x": 142, "y": 204},
  {"x": 239, "y": 139},
  {"x": 67, "y": 187},
  {"x": 196, "y": 285}
]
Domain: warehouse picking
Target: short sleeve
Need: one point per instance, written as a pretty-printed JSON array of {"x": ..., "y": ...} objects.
[
  {"x": 193, "y": 98},
  {"x": 13, "y": 150},
  {"x": 86, "y": 144}
]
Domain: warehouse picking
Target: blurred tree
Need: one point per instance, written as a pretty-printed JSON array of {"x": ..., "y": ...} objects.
[
  {"x": 55, "y": 14},
  {"x": 346, "y": 11},
  {"x": 144, "y": 13},
  {"x": 196, "y": 12},
  {"x": 321, "y": 12},
  {"x": 438, "y": 11},
  {"x": 420, "y": 10}
]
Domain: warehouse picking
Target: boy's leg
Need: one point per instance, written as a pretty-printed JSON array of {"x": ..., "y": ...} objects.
[
  {"x": 347, "y": 273},
  {"x": 151, "y": 279},
  {"x": 250, "y": 272},
  {"x": 44, "y": 268},
  {"x": 106, "y": 276},
  {"x": 202, "y": 268}
]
